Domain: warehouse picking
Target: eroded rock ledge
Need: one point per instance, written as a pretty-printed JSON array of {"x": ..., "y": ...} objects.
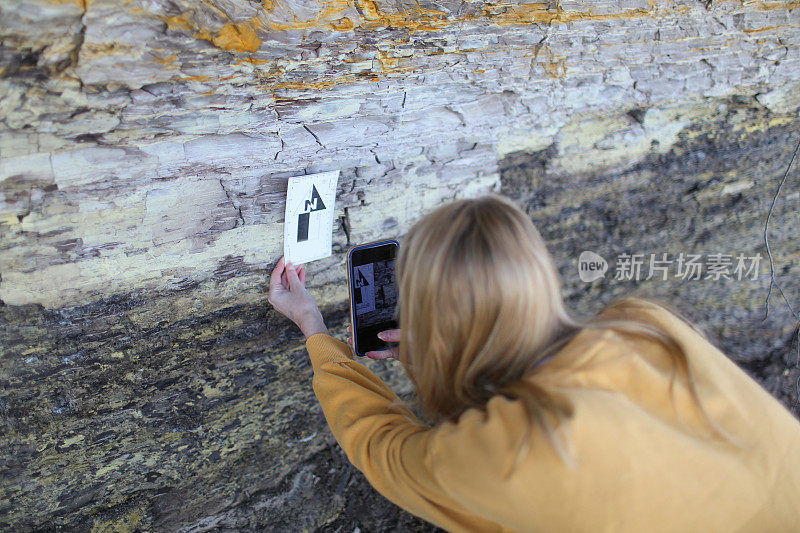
[{"x": 144, "y": 146}]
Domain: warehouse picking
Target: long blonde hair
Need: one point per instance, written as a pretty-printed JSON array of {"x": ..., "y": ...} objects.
[{"x": 480, "y": 306}]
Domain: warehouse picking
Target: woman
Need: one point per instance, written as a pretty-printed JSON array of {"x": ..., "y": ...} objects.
[{"x": 631, "y": 421}]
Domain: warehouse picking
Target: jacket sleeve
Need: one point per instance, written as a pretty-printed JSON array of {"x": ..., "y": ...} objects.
[{"x": 382, "y": 437}]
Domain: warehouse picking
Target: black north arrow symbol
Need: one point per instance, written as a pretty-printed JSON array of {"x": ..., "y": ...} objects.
[
  {"x": 361, "y": 282},
  {"x": 314, "y": 204}
]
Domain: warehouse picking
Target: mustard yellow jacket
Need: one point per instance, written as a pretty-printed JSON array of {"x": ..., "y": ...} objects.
[{"x": 643, "y": 462}]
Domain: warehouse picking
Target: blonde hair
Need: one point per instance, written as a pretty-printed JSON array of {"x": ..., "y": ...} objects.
[{"x": 480, "y": 306}]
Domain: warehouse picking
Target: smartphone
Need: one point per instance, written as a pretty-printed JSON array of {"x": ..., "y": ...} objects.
[{"x": 373, "y": 293}]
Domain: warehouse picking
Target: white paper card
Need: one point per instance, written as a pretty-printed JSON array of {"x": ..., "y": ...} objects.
[
  {"x": 364, "y": 294},
  {"x": 308, "y": 221}
]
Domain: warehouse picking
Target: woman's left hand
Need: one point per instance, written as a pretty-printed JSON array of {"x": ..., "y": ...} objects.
[{"x": 288, "y": 295}]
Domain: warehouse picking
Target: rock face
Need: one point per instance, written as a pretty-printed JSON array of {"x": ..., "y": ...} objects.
[{"x": 144, "y": 151}]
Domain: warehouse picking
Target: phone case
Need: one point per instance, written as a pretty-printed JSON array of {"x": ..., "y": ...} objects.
[{"x": 372, "y": 244}]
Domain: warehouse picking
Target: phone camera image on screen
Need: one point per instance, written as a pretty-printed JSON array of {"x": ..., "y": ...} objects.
[{"x": 373, "y": 289}]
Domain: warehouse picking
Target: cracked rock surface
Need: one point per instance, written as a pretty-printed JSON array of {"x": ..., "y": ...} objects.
[{"x": 146, "y": 384}]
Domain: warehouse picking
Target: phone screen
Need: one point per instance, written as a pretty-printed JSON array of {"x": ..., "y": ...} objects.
[{"x": 373, "y": 294}]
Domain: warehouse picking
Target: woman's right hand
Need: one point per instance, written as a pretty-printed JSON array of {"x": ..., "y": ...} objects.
[{"x": 390, "y": 335}]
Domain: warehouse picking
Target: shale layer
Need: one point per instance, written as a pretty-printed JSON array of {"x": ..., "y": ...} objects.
[{"x": 145, "y": 382}]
